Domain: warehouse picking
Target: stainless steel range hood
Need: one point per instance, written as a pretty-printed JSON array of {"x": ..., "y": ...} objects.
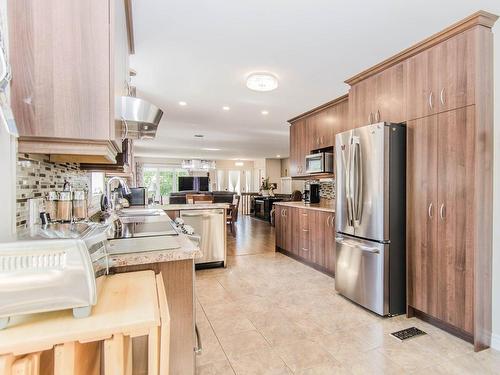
[{"x": 140, "y": 118}]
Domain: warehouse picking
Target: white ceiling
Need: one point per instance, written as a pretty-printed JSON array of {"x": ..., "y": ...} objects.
[{"x": 201, "y": 52}]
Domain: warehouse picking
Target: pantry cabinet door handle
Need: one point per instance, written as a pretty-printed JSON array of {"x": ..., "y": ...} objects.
[
  {"x": 441, "y": 96},
  {"x": 442, "y": 211},
  {"x": 431, "y": 95},
  {"x": 429, "y": 211}
]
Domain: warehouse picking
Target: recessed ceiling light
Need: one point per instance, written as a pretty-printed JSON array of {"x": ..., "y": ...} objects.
[
  {"x": 198, "y": 135},
  {"x": 264, "y": 112},
  {"x": 238, "y": 164},
  {"x": 226, "y": 108},
  {"x": 210, "y": 149},
  {"x": 262, "y": 81},
  {"x": 182, "y": 104}
]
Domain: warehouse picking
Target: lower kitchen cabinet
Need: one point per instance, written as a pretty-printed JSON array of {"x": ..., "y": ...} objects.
[{"x": 307, "y": 235}]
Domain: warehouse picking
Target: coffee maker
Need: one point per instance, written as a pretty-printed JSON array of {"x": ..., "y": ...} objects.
[{"x": 311, "y": 193}]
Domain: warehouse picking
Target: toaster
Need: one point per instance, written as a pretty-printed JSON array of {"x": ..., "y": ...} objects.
[{"x": 52, "y": 267}]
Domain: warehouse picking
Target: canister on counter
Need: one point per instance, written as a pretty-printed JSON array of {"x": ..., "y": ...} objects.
[
  {"x": 51, "y": 205},
  {"x": 65, "y": 206},
  {"x": 80, "y": 210}
]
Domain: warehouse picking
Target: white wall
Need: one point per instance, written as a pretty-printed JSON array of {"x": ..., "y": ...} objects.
[
  {"x": 496, "y": 193},
  {"x": 273, "y": 171}
]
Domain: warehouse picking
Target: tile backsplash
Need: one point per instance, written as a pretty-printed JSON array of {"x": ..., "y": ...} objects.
[
  {"x": 326, "y": 188},
  {"x": 36, "y": 176}
]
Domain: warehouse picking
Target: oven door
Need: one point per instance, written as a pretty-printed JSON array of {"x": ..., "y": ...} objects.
[{"x": 315, "y": 163}]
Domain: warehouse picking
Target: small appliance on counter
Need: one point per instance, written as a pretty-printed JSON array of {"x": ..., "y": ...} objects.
[
  {"x": 138, "y": 196},
  {"x": 52, "y": 267},
  {"x": 320, "y": 162},
  {"x": 311, "y": 192}
]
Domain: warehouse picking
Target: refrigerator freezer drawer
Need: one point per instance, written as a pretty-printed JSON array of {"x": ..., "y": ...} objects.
[{"x": 361, "y": 273}]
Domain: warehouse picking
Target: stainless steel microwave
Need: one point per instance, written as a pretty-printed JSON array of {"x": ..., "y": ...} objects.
[{"x": 322, "y": 162}]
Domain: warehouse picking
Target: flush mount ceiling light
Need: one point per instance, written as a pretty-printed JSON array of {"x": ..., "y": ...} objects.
[
  {"x": 226, "y": 108},
  {"x": 264, "y": 112},
  {"x": 182, "y": 104},
  {"x": 210, "y": 149},
  {"x": 262, "y": 81}
]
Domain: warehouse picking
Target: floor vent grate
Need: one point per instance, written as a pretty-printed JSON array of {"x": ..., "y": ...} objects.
[{"x": 408, "y": 333}]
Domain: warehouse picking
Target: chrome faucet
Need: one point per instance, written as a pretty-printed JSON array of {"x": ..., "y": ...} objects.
[{"x": 111, "y": 204}]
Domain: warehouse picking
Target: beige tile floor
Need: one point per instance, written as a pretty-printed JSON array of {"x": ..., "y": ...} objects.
[{"x": 268, "y": 314}]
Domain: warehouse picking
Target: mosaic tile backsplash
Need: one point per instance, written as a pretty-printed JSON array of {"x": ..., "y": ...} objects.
[
  {"x": 36, "y": 176},
  {"x": 326, "y": 189}
]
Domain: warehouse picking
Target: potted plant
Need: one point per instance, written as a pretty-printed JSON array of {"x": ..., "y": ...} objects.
[{"x": 265, "y": 187}]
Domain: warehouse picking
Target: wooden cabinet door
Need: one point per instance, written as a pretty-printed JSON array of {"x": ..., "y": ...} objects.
[
  {"x": 455, "y": 201},
  {"x": 312, "y": 133},
  {"x": 422, "y": 84},
  {"x": 287, "y": 230},
  {"x": 279, "y": 225},
  {"x": 329, "y": 241},
  {"x": 340, "y": 120},
  {"x": 60, "y": 57},
  {"x": 359, "y": 106},
  {"x": 298, "y": 146},
  {"x": 304, "y": 249},
  {"x": 422, "y": 214},
  {"x": 390, "y": 103},
  {"x": 456, "y": 72}
]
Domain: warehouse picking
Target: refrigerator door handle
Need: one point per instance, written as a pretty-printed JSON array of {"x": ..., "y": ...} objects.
[
  {"x": 357, "y": 177},
  {"x": 348, "y": 188}
]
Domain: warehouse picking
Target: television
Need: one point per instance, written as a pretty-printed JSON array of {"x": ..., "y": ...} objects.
[{"x": 189, "y": 183}]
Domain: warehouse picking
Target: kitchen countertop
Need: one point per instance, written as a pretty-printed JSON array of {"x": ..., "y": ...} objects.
[
  {"x": 200, "y": 206},
  {"x": 188, "y": 250},
  {"x": 317, "y": 207}
]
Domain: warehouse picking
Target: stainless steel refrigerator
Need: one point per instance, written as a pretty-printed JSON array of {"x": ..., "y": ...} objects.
[{"x": 370, "y": 217}]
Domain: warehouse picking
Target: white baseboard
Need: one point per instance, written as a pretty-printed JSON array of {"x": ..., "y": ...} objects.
[{"x": 495, "y": 341}]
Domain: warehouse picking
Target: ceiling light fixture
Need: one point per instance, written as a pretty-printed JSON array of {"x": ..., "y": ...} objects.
[
  {"x": 182, "y": 104},
  {"x": 210, "y": 149},
  {"x": 226, "y": 108},
  {"x": 262, "y": 81},
  {"x": 239, "y": 164},
  {"x": 264, "y": 112},
  {"x": 278, "y": 156}
]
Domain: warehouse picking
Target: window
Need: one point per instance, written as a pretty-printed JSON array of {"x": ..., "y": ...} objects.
[
  {"x": 161, "y": 181},
  {"x": 234, "y": 181},
  {"x": 221, "y": 186}
]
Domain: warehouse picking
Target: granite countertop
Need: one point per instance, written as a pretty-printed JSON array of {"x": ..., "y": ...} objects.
[
  {"x": 188, "y": 250},
  {"x": 199, "y": 206},
  {"x": 317, "y": 207}
]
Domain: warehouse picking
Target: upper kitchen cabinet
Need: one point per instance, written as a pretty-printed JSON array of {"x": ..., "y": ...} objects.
[
  {"x": 315, "y": 130},
  {"x": 298, "y": 148},
  {"x": 380, "y": 97},
  {"x": 441, "y": 78},
  {"x": 323, "y": 125},
  {"x": 69, "y": 60}
]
